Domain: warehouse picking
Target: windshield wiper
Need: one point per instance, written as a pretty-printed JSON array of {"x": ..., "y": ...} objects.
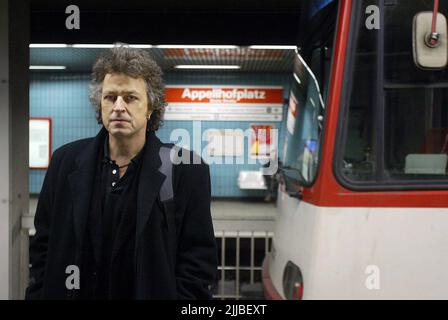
[
  {"x": 295, "y": 192},
  {"x": 301, "y": 177}
]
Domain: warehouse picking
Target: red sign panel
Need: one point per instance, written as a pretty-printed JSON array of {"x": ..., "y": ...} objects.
[{"x": 241, "y": 95}]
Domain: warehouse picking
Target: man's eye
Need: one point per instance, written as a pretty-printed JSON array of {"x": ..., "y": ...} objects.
[
  {"x": 129, "y": 99},
  {"x": 109, "y": 98}
]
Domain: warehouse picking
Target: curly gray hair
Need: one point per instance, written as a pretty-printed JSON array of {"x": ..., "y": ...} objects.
[{"x": 136, "y": 63}]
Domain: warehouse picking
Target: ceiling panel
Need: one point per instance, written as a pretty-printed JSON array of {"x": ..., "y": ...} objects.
[{"x": 250, "y": 60}]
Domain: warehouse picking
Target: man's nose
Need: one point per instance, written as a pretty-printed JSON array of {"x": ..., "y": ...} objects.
[{"x": 119, "y": 104}]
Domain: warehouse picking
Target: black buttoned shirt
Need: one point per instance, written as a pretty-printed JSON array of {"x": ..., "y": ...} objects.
[{"x": 118, "y": 220}]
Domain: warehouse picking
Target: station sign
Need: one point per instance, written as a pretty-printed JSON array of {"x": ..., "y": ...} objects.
[{"x": 224, "y": 103}]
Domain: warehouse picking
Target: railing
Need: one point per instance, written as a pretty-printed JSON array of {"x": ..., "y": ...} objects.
[{"x": 241, "y": 255}]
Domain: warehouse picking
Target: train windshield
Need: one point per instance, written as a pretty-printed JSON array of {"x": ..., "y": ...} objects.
[
  {"x": 395, "y": 119},
  {"x": 309, "y": 87}
]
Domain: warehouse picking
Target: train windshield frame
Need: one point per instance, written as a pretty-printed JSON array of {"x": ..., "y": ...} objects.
[{"x": 393, "y": 129}]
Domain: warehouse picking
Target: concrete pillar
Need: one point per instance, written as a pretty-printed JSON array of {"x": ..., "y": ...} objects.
[
  {"x": 14, "y": 113},
  {"x": 4, "y": 155}
]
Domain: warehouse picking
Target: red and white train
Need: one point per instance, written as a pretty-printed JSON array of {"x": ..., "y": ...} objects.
[{"x": 363, "y": 202}]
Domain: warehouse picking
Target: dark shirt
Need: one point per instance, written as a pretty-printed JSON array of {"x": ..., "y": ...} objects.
[{"x": 118, "y": 220}]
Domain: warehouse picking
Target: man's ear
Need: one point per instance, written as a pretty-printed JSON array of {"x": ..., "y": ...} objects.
[
  {"x": 149, "y": 122},
  {"x": 100, "y": 117}
]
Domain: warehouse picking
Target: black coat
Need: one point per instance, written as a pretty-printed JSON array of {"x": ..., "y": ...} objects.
[{"x": 175, "y": 251}]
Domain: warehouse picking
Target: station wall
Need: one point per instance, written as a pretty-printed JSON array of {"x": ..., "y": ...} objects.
[{"x": 64, "y": 98}]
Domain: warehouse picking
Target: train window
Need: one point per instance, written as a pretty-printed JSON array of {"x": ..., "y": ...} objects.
[
  {"x": 305, "y": 123},
  {"x": 306, "y": 114},
  {"x": 397, "y": 119}
]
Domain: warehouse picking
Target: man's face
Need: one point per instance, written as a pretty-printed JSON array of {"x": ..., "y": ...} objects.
[{"x": 124, "y": 105}]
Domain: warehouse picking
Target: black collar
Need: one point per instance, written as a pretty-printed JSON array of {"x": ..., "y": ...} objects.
[{"x": 136, "y": 160}]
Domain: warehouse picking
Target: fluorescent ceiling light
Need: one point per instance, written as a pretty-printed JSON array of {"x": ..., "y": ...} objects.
[
  {"x": 48, "y": 67},
  {"x": 141, "y": 46},
  {"x": 273, "y": 47},
  {"x": 93, "y": 46},
  {"x": 297, "y": 78},
  {"x": 100, "y": 46},
  {"x": 202, "y": 67},
  {"x": 175, "y": 46},
  {"x": 48, "y": 45}
]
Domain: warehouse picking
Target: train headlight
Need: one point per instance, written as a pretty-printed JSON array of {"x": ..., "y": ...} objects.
[{"x": 292, "y": 282}]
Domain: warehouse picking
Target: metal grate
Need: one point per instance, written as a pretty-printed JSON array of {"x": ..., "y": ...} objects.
[{"x": 241, "y": 255}]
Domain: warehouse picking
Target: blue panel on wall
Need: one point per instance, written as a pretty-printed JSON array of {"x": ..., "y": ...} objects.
[{"x": 64, "y": 98}]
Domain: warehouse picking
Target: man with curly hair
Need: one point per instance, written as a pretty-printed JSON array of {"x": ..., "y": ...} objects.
[{"x": 104, "y": 228}]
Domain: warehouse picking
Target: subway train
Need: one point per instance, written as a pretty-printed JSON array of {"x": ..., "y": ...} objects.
[{"x": 363, "y": 193}]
